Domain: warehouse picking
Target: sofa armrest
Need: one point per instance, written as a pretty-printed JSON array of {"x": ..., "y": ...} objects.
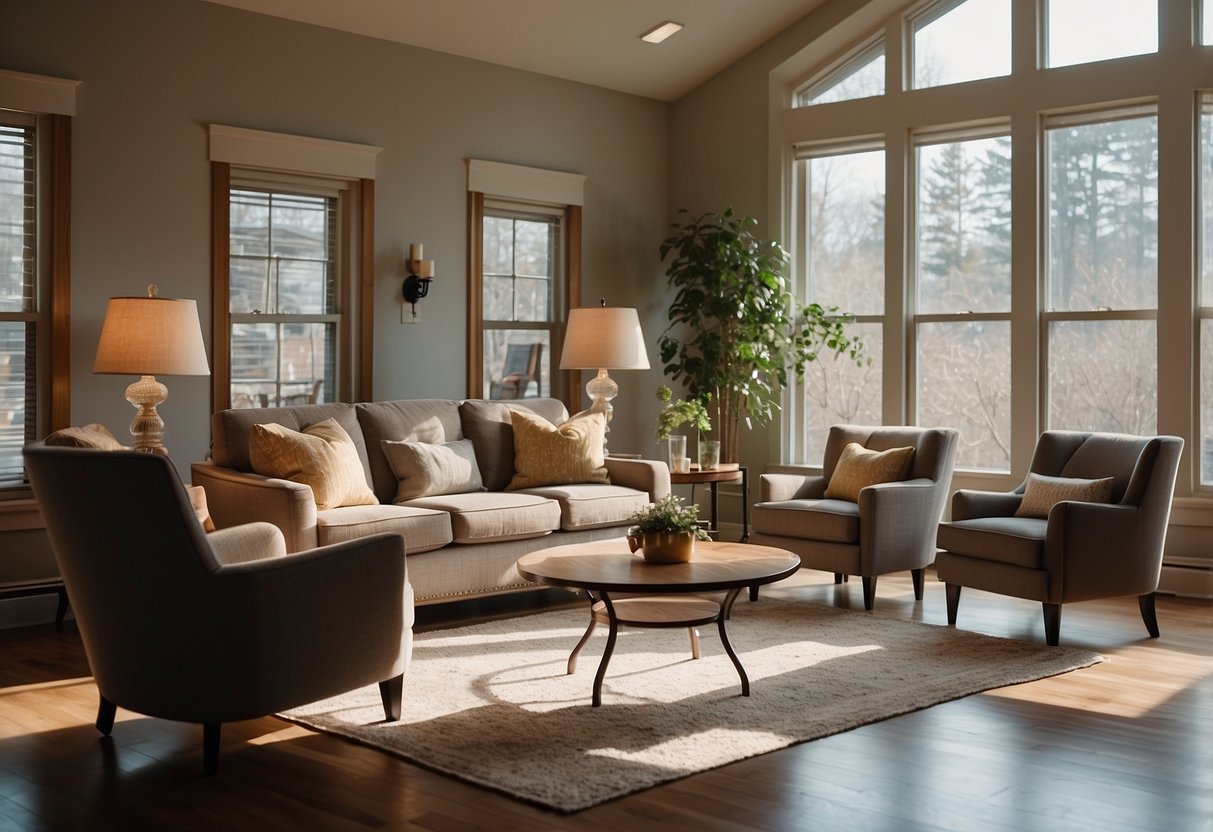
[
  {"x": 776, "y": 488},
  {"x": 235, "y": 498},
  {"x": 646, "y": 475},
  {"x": 968, "y": 504}
]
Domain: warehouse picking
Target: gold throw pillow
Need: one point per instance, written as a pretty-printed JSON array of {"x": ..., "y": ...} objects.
[
  {"x": 859, "y": 467},
  {"x": 1042, "y": 492},
  {"x": 547, "y": 454},
  {"x": 322, "y": 456}
]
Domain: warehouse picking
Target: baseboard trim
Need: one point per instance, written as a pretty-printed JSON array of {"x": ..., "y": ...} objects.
[{"x": 1186, "y": 581}]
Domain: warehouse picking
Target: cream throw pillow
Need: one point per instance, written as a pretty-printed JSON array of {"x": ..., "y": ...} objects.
[
  {"x": 859, "y": 467},
  {"x": 1042, "y": 492},
  {"x": 547, "y": 454},
  {"x": 322, "y": 456},
  {"x": 427, "y": 469}
]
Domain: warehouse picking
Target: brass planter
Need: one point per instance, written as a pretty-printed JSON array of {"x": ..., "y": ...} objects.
[{"x": 662, "y": 547}]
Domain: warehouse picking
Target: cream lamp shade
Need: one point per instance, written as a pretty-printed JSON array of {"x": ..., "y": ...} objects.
[
  {"x": 603, "y": 338},
  {"x": 148, "y": 337}
]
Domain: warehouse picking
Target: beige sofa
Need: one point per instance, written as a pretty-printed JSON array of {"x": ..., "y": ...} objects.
[{"x": 458, "y": 545}]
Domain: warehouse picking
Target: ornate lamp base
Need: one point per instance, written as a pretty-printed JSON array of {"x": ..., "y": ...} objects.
[
  {"x": 147, "y": 427},
  {"x": 602, "y": 388}
]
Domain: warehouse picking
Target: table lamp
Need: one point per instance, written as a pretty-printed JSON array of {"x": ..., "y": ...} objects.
[
  {"x": 147, "y": 337},
  {"x": 603, "y": 338}
]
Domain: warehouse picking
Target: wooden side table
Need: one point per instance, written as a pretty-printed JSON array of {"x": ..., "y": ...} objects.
[{"x": 713, "y": 477}]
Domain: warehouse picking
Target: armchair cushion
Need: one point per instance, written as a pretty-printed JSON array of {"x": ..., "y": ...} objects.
[
  {"x": 1042, "y": 492},
  {"x": 430, "y": 468},
  {"x": 547, "y": 454},
  {"x": 95, "y": 435},
  {"x": 1018, "y": 541},
  {"x": 835, "y": 521},
  {"x": 859, "y": 467},
  {"x": 322, "y": 456}
]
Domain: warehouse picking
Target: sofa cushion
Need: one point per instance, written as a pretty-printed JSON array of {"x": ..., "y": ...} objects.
[
  {"x": 487, "y": 424},
  {"x": 488, "y": 516},
  {"x": 424, "y": 469},
  {"x": 423, "y": 529},
  {"x": 95, "y": 435},
  {"x": 859, "y": 468},
  {"x": 836, "y": 521},
  {"x": 547, "y": 454},
  {"x": 1019, "y": 541},
  {"x": 321, "y": 456},
  {"x": 593, "y": 506},
  {"x": 416, "y": 420},
  {"x": 1042, "y": 493}
]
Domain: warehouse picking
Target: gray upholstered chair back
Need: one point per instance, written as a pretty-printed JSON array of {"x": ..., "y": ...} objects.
[
  {"x": 1129, "y": 460},
  {"x": 933, "y": 447}
]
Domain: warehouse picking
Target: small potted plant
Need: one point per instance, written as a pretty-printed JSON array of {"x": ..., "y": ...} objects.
[
  {"x": 666, "y": 531},
  {"x": 674, "y": 414}
]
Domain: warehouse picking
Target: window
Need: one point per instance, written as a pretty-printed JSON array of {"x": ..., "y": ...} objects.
[
  {"x": 35, "y": 155},
  {"x": 522, "y": 293},
  {"x": 1206, "y": 22},
  {"x": 946, "y": 50},
  {"x": 860, "y": 76},
  {"x": 963, "y": 278},
  {"x": 1080, "y": 31},
  {"x": 293, "y": 250},
  {"x": 1102, "y": 271},
  {"x": 283, "y": 296},
  {"x": 839, "y": 261},
  {"x": 1205, "y": 309},
  {"x": 524, "y": 272}
]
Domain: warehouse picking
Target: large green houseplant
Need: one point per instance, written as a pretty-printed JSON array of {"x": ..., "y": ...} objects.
[{"x": 736, "y": 328}]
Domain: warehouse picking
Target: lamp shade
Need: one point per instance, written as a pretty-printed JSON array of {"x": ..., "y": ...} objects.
[
  {"x": 151, "y": 336},
  {"x": 603, "y": 337}
]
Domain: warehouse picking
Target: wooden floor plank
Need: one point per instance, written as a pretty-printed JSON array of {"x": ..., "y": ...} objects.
[{"x": 1124, "y": 745}]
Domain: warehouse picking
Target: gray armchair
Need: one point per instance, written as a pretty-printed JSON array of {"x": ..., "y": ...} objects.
[
  {"x": 889, "y": 529},
  {"x": 1080, "y": 550},
  {"x": 183, "y": 625}
]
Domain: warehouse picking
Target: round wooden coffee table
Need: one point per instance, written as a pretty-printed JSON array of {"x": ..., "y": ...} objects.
[{"x": 665, "y": 594}]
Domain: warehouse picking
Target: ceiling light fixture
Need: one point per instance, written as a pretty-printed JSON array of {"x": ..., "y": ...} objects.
[{"x": 661, "y": 32}]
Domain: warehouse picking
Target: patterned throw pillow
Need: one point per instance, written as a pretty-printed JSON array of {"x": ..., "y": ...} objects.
[
  {"x": 547, "y": 454},
  {"x": 427, "y": 469},
  {"x": 322, "y": 456},
  {"x": 859, "y": 467},
  {"x": 1042, "y": 492}
]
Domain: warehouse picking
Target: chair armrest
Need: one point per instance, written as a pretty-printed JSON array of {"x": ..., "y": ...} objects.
[
  {"x": 776, "y": 488},
  {"x": 1096, "y": 550},
  {"x": 235, "y": 497},
  {"x": 646, "y": 475},
  {"x": 968, "y": 504},
  {"x": 897, "y": 525},
  {"x": 249, "y": 541}
]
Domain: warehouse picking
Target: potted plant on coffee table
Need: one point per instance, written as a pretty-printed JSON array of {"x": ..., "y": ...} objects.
[
  {"x": 736, "y": 329},
  {"x": 666, "y": 531}
]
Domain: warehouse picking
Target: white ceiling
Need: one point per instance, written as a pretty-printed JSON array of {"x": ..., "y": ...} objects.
[{"x": 591, "y": 41}]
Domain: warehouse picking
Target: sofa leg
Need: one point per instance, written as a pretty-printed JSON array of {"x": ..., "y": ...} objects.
[
  {"x": 869, "y": 592},
  {"x": 917, "y": 576},
  {"x": 837, "y": 577},
  {"x": 953, "y": 595},
  {"x": 1052, "y": 624},
  {"x": 210, "y": 748},
  {"x": 105, "y": 716},
  {"x": 1148, "y": 614},
  {"x": 391, "y": 692}
]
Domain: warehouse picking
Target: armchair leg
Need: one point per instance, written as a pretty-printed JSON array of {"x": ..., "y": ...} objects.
[
  {"x": 105, "y": 716},
  {"x": 1148, "y": 615},
  {"x": 837, "y": 577},
  {"x": 391, "y": 693},
  {"x": 953, "y": 595},
  {"x": 917, "y": 575},
  {"x": 869, "y": 592},
  {"x": 1052, "y": 624},
  {"x": 210, "y": 748}
]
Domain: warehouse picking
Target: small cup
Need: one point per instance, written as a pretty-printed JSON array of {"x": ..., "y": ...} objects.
[
  {"x": 682, "y": 465},
  {"x": 709, "y": 454}
]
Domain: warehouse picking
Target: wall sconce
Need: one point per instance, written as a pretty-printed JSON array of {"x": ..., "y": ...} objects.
[{"x": 421, "y": 272}]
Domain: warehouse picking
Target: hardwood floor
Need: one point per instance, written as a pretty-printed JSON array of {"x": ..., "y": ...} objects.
[{"x": 1124, "y": 745}]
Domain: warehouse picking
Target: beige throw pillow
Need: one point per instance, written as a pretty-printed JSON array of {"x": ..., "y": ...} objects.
[
  {"x": 1042, "y": 492},
  {"x": 322, "y": 456},
  {"x": 427, "y": 469},
  {"x": 197, "y": 495},
  {"x": 859, "y": 467},
  {"x": 547, "y": 454},
  {"x": 95, "y": 435}
]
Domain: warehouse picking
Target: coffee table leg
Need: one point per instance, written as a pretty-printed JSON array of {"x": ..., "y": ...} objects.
[
  {"x": 728, "y": 648},
  {"x": 580, "y": 644},
  {"x": 726, "y": 607},
  {"x": 613, "y": 623}
]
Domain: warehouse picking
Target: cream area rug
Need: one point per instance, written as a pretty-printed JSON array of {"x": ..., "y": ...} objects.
[{"x": 491, "y": 703}]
